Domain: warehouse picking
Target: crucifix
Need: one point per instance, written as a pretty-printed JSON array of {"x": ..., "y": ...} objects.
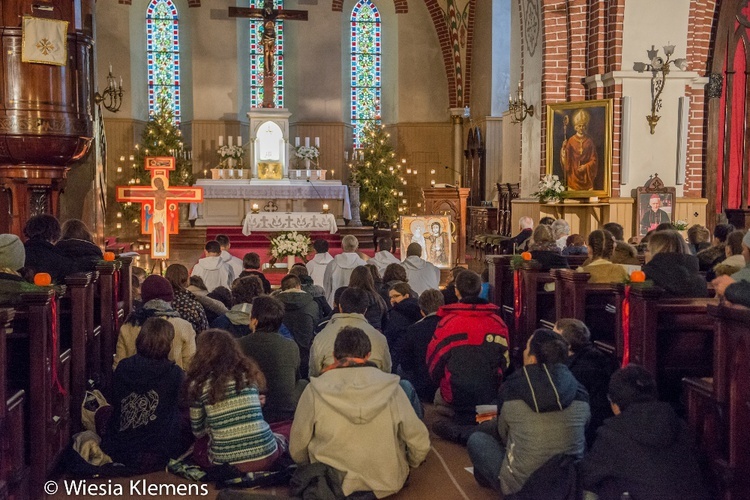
[
  {"x": 269, "y": 15},
  {"x": 159, "y": 214}
]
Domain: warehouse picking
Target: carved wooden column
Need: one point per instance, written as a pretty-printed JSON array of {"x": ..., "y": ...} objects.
[
  {"x": 450, "y": 201},
  {"x": 46, "y": 111}
]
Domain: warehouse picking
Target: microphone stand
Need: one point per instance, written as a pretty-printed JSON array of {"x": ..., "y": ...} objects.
[{"x": 316, "y": 189}]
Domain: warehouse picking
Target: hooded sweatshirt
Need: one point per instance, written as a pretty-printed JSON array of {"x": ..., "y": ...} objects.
[
  {"x": 214, "y": 271},
  {"x": 301, "y": 314},
  {"x": 234, "y": 262},
  {"x": 677, "y": 274},
  {"x": 542, "y": 411},
  {"x": 236, "y": 321},
  {"x": 358, "y": 420},
  {"x": 316, "y": 267},
  {"x": 144, "y": 427},
  {"x": 338, "y": 272},
  {"x": 383, "y": 259},
  {"x": 421, "y": 274},
  {"x": 645, "y": 450}
]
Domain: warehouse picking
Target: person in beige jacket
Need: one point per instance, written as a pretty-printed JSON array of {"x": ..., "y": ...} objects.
[
  {"x": 358, "y": 420},
  {"x": 157, "y": 294}
]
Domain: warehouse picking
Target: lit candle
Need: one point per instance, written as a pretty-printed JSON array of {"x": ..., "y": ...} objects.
[
  {"x": 119, "y": 226},
  {"x": 325, "y": 206},
  {"x": 205, "y": 173},
  {"x": 307, "y": 142},
  {"x": 221, "y": 140},
  {"x": 296, "y": 142},
  {"x": 255, "y": 206},
  {"x": 317, "y": 142},
  {"x": 131, "y": 158},
  {"x": 110, "y": 68},
  {"x": 122, "y": 158}
]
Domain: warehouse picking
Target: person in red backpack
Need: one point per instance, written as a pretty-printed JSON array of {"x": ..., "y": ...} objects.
[{"x": 467, "y": 358}]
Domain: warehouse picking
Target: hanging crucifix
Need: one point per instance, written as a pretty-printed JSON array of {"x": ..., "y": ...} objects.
[{"x": 269, "y": 15}]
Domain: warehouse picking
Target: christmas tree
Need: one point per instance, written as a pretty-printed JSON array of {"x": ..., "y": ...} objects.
[
  {"x": 161, "y": 137},
  {"x": 379, "y": 177}
]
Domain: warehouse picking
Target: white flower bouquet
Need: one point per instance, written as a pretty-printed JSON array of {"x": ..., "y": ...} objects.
[
  {"x": 234, "y": 152},
  {"x": 680, "y": 225},
  {"x": 307, "y": 153},
  {"x": 550, "y": 189},
  {"x": 290, "y": 244}
]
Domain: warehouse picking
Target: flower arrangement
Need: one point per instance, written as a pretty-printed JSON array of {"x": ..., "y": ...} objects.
[
  {"x": 680, "y": 225},
  {"x": 234, "y": 152},
  {"x": 550, "y": 189},
  {"x": 290, "y": 244},
  {"x": 307, "y": 153}
]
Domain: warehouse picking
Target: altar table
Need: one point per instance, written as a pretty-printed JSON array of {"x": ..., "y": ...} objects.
[{"x": 295, "y": 221}]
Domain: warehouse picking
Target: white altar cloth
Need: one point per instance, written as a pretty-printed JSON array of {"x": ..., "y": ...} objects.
[
  {"x": 294, "y": 221},
  {"x": 277, "y": 189}
]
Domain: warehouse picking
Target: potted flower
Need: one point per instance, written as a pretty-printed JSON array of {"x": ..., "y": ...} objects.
[
  {"x": 550, "y": 189},
  {"x": 307, "y": 153},
  {"x": 681, "y": 226},
  {"x": 290, "y": 245}
]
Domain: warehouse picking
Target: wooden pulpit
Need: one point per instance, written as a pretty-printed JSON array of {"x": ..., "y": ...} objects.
[{"x": 450, "y": 201}]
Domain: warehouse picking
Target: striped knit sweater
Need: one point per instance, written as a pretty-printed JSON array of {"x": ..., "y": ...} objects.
[{"x": 235, "y": 426}]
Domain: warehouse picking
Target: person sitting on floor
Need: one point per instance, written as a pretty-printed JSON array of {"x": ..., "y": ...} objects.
[
  {"x": 278, "y": 358},
  {"x": 144, "y": 429},
  {"x": 449, "y": 292},
  {"x": 601, "y": 269},
  {"x": 591, "y": 367},
  {"x": 377, "y": 310},
  {"x": 237, "y": 320},
  {"x": 422, "y": 275},
  {"x": 212, "y": 269},
  {"x": 357, "y": 420},
  {"x": 383, "y": 258},
  {"x": 645, "y": 450},
  {"x": 157, "y": 295},
  {"x": 251, "y": 267},
  {"x": 316, "y": 266},
  {"x": 77, "y": 244},
  {"x": 234, "y": 262},
  {"x": 224, "y": 388},
  {"x": 670, "y": 265},
  {"x": 301, "y": 314},
  {"x": 412, "y": 347},
  {"x": 394, "y": 273},
  {"x": 352, "y": 308},
  {"x": 185, "y": 302},
  {"x": 466, "y": 358},
  {"x": 542, "y": 412},
  {"x": 339, "y": 270},
  {"x": 403, "y": 314}
]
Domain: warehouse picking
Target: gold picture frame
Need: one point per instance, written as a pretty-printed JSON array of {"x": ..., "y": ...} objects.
[
  {"x": 433, "y": 233},
  {"x": 581, "y": 159}
]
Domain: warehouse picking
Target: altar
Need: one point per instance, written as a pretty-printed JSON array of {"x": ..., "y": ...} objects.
[
  {"x": 296, "y": 221},
  {"x": 226, "y": 202}
]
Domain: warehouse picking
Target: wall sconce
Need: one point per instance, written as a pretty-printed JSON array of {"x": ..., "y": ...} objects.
[
  {"x": 518, "y": 108},
  {"x": 111, "y": 96},
  {"x": 659, "y": 69}
]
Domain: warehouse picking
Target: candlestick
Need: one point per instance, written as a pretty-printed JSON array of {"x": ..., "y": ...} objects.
[
  {"x": 221, "y": 140},
  {"x": 307, "y": 142},
  {"x": 317, "y": 142},
  {"x": 296, "y": 142}
]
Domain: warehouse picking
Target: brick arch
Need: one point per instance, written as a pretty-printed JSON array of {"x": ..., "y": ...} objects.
[
  {"x": 402, "y": 6},
  {"x": 446, "y": 47}
]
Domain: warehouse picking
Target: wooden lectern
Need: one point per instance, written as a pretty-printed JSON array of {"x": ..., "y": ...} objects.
[{"x": 451, "y": 201}]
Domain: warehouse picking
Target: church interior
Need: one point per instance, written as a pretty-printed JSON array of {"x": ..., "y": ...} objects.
[{"x": 164, "y": 125}]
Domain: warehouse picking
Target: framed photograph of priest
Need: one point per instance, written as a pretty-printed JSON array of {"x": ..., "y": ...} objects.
[
  {"x": 433, "y": 233},
  {"x": 654, "y": 209},
  {"x": 579, "y": 147}
]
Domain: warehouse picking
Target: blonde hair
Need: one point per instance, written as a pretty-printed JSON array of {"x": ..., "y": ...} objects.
[{"x": 667, "y": 241}]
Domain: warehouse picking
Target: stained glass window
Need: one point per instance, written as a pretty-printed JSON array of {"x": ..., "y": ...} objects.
[
  {"x": 163, "y": 57},
  {"x": 365, "y": 58},
  {"x": 257, "y": 59}
]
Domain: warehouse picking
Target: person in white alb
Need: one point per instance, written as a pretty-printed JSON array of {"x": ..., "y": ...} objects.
[
  {"x": 316, "y": 267},
  {"x": 422, "y": 275},
  {"x": 214, "y": 271},
  {"x": 339, "y": 270},
  {"x": 234, "y": 262},
  {"x": 384, "y": 257}
]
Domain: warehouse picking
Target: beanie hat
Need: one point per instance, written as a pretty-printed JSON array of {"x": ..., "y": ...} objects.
[
  {"x": 746, "y": 239},
  {"x": 12, "y": 252},
  {"x": 156, "y": 287}
]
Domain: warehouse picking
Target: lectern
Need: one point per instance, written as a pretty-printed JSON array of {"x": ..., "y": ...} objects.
[{"x": 450, "y": 201}]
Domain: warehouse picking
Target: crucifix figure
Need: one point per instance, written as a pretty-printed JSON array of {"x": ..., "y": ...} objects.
[
  {"x": 269, "y": 15},
  {"x": 159, "y": 216}
]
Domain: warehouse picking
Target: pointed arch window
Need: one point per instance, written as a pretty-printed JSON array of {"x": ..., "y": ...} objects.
[
  {"x": 365, "y": 67},
  {"x": 257, "y": 62},
  {"x": 163, "y": 57}
]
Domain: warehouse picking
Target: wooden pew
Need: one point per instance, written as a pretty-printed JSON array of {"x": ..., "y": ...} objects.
[
  {"x": 126, "y": 289},
  {"x": 599, "y": 305},
  {"x": 33, "y": 350},
  {"x": 671, "y": 337},
  {"x": 111, "y": 315},
  {"x": 718, "y": 408},
  {"x": 501, "y": 285}
]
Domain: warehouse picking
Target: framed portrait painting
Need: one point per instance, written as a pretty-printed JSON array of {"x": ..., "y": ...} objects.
[
  {"x": 654, "y": 205},
  {"x": 433, "y": 233},
  {"x": 579, "y": 147}
]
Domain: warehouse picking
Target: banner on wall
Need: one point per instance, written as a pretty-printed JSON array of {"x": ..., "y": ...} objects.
[{"x": 44, "y": 41}]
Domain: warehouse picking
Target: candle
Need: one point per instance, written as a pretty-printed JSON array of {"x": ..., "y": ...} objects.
[
  {"x": 296, "y": 142},
  {"x": 221, "y": 140},
  {"x": 361, "y": 156},
  {"x": 110, "y": 68},
  {"x": 122, "y": 158},
  {"x": 230, "y": 141},
  {"x": 307, "y": 142},
  {"x": 131, "y": 158},
  {"x": 205, "y": 173},
  {"x": 239, "y": 140},
  {"x": 325, "y": 206},
  {"x": 317, "y": 142},
  {"x": 119, "y": 226},
  {"x": 120, "y": 83},
  {"x": 255, "y": 207},
  {"x": 346, "y": 155}
]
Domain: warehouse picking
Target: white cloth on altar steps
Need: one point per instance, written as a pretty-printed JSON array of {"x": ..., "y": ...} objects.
[{"x": 295, "y": 221}]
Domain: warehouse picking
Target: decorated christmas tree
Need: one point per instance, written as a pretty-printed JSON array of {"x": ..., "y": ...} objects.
[
  {"x": 161, "y": 137},
  {"x": 379, "y": 177}
]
